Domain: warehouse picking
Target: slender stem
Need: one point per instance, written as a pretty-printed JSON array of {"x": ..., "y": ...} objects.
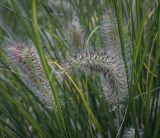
[{"x": 38, "y": 45}]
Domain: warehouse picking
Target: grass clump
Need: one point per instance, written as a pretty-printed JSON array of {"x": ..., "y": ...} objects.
[{"x": 91, "y": 70}]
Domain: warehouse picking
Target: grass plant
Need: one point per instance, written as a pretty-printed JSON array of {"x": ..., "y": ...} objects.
[{"x": 80, "y": 68}]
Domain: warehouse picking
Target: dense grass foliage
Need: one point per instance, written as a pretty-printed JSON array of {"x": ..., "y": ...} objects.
[{"x": 80, "y": 68}]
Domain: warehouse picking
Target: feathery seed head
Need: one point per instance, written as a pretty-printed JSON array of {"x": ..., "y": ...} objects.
[
  {"x": 107, "y": 63},
  {"x": 129, "y": 133},
  {"x": 27, "y": 60},
  {"x": 111, "y": 38},
  {"x": 75, "y": 35}
]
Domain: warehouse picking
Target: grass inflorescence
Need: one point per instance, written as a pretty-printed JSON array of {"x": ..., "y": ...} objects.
[
  {"x": 26, "y": 58},
  {"x": 106, "y": 63}
]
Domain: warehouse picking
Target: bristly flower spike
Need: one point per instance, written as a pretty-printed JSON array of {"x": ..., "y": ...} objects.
[
  {"x": 28, "y": 62},
  {"x": 108, "y": 61},
  {"x": 129, "y": 133},
  {"x": 74, "y": 35}
]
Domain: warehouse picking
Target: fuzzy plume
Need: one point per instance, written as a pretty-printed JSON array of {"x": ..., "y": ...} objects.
[
  {"x": 111, "y": 38},
  {"x": 107, "y": 63},
  {"x": 74, "y": 35},
  {"x": 28, "y": 62},
  {"x": 110, "y": 33},
  {"x": 129, "y": 133}
]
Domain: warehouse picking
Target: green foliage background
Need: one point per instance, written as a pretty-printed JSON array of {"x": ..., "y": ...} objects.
[{"x": 86, "y": 112}]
